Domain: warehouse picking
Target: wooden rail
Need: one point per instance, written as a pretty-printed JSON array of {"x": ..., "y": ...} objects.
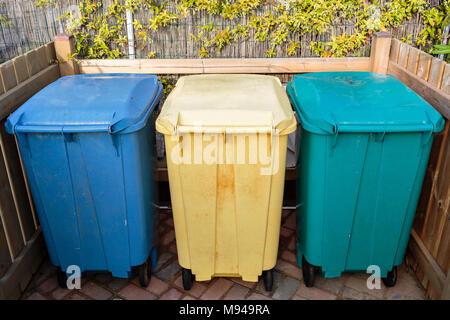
[
  {"x": 21, "y": 244},
  {"x": 426, "y": 75},
  {"x": 202, "y": 66}
]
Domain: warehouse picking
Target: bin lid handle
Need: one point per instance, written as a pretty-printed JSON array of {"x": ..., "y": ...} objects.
[{"x": 121, "y": 125}]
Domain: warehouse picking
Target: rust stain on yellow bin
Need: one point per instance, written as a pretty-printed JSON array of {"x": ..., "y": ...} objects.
[{"x": 226, "y": 140}]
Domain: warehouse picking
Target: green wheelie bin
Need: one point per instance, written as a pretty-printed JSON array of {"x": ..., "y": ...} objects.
[{"x": 364, "y": 144}]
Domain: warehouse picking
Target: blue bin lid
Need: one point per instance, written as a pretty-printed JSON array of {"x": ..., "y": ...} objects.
[
  {"x": 331, "y": 102},
  {"x": 89, "y": 103}
]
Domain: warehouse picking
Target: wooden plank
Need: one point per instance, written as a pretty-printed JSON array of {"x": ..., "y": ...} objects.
[
  {"x": 434, "y": 273},
  {"x": 443, "y": 254},
  {"x": 285, "y": 65},
  {"x": 20, "y": 273},
  {"x": 201, "y": 66},
  {"x": 445, "y": 295},
  {"x": 395, "y": 49},
  {"x": 436, "y": 177},
  {"x": 16, "y": 180},
  {"x": 428, "y": 181},
  {"x": 423, "y": 68},
  {"x": 9, "y": 215},
  {"x": 445, "y": 85},
  {"x": 36, "y": 60},
  {"x": 413, "y": 60},
  {"x": 8, "y": 76},
  {"x": 21, "y": 68},
  {"x": 27, "y": 187},
  {"x": 433, "y": 294},
  {"x": 5, "y": 256},
  {"x": 442, "y": 206},
  {"x": 403, "y": 55},
  {"x": 438, "y": 203},
  {"x": 161, "y": 175},
  {"x": 18, "y": 95},
  {"x": 436, "y": 97},
  {"x": 155, "y": 66},
  {"x": 436, "y": 72},
  {"x": 412, "y": 264}
]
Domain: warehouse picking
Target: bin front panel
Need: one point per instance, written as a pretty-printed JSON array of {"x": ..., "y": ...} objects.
[
  {"x": 80, "y": 186},
  {"x": 385, "y": 192},
  {"x": 105, "y": 171},
  {"x": 227, "y": 215},
  {"x": 358, "y": 195}
]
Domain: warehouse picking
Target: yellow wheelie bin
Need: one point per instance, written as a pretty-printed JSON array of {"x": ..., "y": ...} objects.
[{"x": 226, "y": 141}]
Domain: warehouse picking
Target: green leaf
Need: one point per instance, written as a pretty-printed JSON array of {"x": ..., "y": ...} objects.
[
  {"x": 444, "y": 51},
  {"x": 442, "y": 46}
]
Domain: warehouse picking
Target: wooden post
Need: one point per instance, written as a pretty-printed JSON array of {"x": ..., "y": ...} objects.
[
  {"x": 65, "y": 48},
  {"x": 379, "y": 53}
]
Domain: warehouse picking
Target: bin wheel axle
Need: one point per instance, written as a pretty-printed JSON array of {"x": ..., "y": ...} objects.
[
  {"x": 145, "y": 273},
  {"x": 188, "y": 278},
  {"x": 391, "y": 278},
  {"x": 268, "y": 279},
  {"x": 309, "y": 273}
]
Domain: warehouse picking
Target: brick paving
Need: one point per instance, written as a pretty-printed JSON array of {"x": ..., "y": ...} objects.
[{"x": 166, "y": 280}]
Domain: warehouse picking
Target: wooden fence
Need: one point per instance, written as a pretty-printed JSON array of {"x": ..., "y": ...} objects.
[
  {"x": 429, "y": 247},
  {"x": 428, "y": 252},
  {"x": 21, "y": 244}
]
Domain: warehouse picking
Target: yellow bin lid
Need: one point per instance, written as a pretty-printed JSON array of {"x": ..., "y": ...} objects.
[{"x": 231, "y": 103}]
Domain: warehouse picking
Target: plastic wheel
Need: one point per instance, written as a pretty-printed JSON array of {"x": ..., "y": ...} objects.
[
  {"x": 187, "y": 279},
  {"x": 309, "y": 273},
  {"x": 268, "y": 279},
  {"x": 145, "y": 273},
  {"x": 391, "y": 278},
  {"x": 61, "y": 277}
]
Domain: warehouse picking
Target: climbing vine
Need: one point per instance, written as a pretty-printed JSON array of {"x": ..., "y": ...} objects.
[
  {"x": 4, "y": 18},
  {"x": 100, "y": 29}
]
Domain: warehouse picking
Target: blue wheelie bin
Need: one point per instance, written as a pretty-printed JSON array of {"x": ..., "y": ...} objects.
[
  {"x": 365, "y": 139},
  {"x": 87, "y": 145}
]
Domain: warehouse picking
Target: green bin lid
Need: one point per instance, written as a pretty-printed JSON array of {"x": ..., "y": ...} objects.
[{"x": 331, "y": 102}]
